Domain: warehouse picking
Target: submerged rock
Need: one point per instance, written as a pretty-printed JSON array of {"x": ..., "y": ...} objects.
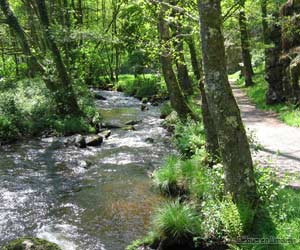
[
  {"x": 128, "y": 128},
  {"x": 94, "y": 140},
  {"x": 132, "y": 122},
  {"x": 29, "y": 243}
]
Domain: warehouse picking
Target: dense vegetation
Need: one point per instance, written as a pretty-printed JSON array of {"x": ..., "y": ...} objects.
[{"x": 54, "y": 52}]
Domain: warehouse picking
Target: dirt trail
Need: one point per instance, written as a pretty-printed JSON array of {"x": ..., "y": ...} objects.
[{"x": 280, "y": 142}]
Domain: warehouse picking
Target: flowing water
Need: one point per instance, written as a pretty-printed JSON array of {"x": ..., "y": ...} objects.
[{"x": 86, "y": 199}]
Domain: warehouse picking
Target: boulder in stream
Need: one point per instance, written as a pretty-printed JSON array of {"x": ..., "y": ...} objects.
[
  {"x": 94, "y": 140},
  {"x": 99, "y": 97},
  {"x": 105, "y": 134},
  {"x": 109, "y": 126},
  {"x": 80, "y": 141},
  {"x": 29, "y": 243}
]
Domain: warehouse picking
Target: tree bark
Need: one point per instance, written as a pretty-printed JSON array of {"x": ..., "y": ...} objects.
[
  {"x": 195, "y": 63},
  {"x": 211, "y": 136},
  {"x": 232, "y": 138},
  {"x": 245, "y": 45},
  {"x": 177, "y": 98},
  {"x": 264, "y": 21}
]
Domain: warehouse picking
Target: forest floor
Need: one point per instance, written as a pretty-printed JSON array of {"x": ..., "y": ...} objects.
[{"x": 278, "y": 143}]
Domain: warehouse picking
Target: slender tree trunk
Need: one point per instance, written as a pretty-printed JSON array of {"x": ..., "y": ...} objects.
[
  {"x": 245, "y": 44},
  {"x": 232, "y": 138},
  {"x": 212, "y": 144},
  {"x": 68, "y": 104},
  {"x": 264, "y": 21},
  {"x": 177, "y": 98},
  {"x": 195, "y": 63},
  {"x": 182, "y": 70},
  {"x": 3, "y": 57}
]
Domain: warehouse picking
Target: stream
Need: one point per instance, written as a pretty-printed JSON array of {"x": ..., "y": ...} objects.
[{"x": 98, "y": 198}]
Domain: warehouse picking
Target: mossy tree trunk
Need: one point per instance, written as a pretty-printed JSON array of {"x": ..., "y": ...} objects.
[
  {"x": 177, "y": 98},
  {"x": 245, "y": 45},
  {"x": 232, "y": 138}
]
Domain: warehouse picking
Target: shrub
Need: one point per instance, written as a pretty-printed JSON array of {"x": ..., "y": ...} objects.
[
  {"x": 166, "y": 177},
  {"x": 177, "y": 221},
  {"x": 189, "y": 137},
  {"x": 165, "y": 110},
  {"x": 231, "y": 219}
]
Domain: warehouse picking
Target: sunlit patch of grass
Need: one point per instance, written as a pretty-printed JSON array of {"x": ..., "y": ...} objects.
[{"x": 177, "y": 221}]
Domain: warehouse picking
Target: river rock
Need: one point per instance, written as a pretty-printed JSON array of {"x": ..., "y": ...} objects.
[
  {"x": 144, "y": 107},
  {"x": 150, "y": 140},
  {"x": 80, "y": 141},
  {"x": 109, "y": 126},
  {"x": 29, "y": 243},
  {"x": 128, "y": 128},
  {"x": 105, "y": 134},
  {"x": 99, "y": 97},
  {"x": 94, "y": 140},
  {"x": 145, "y": 100},
  {"x": 132, "y": 122}
]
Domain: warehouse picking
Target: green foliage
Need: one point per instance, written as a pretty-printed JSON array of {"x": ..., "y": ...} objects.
[
  {"x": 27, "y": 109},
  {"x": 165, "y": 109},
  {"x": 148, "y": 240},
  {"x": 177, "y": 221},
  {"x": 189, "y": 137},
  {"x": 166, "y": 177},
  {"x": 231, "y": 219},
  {"x": 142, "y": 86}
]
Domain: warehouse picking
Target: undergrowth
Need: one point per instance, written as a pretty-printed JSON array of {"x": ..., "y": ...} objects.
[
  {"x": 199, "y": 215},
  {"x": 27, "y": 109}
]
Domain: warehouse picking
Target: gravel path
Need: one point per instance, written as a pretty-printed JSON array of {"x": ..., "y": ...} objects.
[{"x": 280, "y": 142}]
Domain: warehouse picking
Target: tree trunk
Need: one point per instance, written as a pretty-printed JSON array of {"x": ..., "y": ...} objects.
[
  {"x": 245, "y": 45},
  {"x": 275, "y": 67},
  {"x": 264, "y": 21},
  {"x": 232, "y": 138},
  {"x": 182, "y": 70},
  {"x": 195, "y": 63},
  {"x": 68, "y": 102},
  {"x": 212, "y": 144},
  {"x": 177, "y": 98}
]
